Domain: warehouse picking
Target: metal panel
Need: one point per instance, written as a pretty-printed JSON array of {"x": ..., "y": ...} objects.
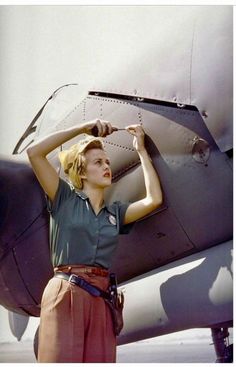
[
  {"x": 196, "y": 291},
  {"x": 196, "y": 192},
  {"x": 12, "y": 288},
  {"x": 197, "y": 201},
  {"x": 189, "y": 60}
]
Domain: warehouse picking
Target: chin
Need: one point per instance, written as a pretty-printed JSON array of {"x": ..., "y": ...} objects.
[{"x": 106, "y": 184}]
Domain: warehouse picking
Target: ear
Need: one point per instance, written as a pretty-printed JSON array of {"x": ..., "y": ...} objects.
[
  {"x": 83, "y": 177},
  {"x": 82, "y": 173}
]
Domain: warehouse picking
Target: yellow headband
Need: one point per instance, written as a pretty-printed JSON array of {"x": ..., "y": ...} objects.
[{"x": 71, "y": 159}]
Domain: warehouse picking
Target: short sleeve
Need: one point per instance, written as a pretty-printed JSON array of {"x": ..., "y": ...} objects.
[
  {"x": 64, "y": 191},
  {"x": 124, "y": 228}
]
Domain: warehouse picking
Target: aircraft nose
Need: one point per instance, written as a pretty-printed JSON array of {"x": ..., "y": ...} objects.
[{"x": 24, "y": 243}]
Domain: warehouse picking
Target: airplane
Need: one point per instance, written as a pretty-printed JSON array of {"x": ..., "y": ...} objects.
[{"x": 175, "y": 266}]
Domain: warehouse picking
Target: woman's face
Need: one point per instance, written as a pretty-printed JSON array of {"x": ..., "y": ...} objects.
[{"x": 97, "y": 168}]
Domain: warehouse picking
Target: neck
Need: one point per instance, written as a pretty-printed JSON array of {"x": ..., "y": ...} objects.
[{"x": 96, "y": 197}]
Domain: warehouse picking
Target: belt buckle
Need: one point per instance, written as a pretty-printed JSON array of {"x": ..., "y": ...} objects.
[{"x": 73, "y": 279}]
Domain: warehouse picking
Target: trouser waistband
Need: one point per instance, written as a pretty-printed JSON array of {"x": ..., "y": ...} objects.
[
  {"x": 82, "y": 269},
  {"x": 82, "y": 283}
]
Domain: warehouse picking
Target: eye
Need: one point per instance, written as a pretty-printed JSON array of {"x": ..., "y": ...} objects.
[{"x": 108, "y": 162}]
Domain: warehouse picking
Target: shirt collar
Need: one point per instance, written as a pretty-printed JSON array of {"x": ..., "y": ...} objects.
[{"x": 83, "y": 196}]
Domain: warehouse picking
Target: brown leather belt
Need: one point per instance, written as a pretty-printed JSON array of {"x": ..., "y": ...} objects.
[{"x": 82, "y": 269}]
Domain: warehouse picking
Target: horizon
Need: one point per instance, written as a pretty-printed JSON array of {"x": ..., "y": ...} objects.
[{"x": 189, "y": 336}]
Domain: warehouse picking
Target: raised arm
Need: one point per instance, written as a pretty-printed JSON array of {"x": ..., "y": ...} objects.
[
  {"x": 153, "y": 198},
  {"x": 45, "y": 172}
]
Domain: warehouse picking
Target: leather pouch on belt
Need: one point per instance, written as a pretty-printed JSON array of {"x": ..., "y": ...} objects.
[{"x": 116, "y": 307}]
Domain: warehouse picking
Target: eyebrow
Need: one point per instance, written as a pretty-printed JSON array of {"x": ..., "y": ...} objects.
[{"x": 101, "y": 159}]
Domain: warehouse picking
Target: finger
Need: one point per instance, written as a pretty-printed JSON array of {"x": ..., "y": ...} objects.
[
  {"x": 94, "y": 130},
  {"x": 140, "y": 128},
  {"x": 137, "y": 130},
  {"x": 134, "y": 126},
  {"x": 131, "y": 130},
  {"x": 110, "y": 128},
  {"x": 105, "y": 129},
  {"x": 99, "y": 127}
]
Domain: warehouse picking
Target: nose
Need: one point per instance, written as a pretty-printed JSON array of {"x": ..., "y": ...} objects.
[{"x": 106, "y": 166}]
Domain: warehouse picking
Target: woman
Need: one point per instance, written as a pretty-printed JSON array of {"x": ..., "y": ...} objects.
[{"x": 75, "y": 326}]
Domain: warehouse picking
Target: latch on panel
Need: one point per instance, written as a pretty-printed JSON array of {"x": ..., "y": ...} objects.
[{"x": 200, "y": 150}]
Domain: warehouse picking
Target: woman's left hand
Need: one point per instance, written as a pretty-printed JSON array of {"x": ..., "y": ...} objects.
[{"x": 139, "y": 135}]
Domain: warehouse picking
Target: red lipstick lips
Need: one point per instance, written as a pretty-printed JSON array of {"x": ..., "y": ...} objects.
[{"x": 107, "y": 174}]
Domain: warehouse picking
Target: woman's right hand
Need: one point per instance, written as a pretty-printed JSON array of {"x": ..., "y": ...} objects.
[
  {"x": 37, "y": 152},
  {"x": 99, "y": 128}
]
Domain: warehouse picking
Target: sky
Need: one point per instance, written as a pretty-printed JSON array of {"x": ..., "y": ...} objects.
[{"x": 44, "y": 47}]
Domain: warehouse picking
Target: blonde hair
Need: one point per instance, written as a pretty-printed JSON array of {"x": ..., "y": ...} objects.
[{"x": 73, "y": 160}]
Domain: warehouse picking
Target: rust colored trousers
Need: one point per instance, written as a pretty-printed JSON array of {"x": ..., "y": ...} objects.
[{"x": 74, "y": 325}]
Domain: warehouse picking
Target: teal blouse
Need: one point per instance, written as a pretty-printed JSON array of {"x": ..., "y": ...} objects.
[{"x": 77, "y": 234}]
